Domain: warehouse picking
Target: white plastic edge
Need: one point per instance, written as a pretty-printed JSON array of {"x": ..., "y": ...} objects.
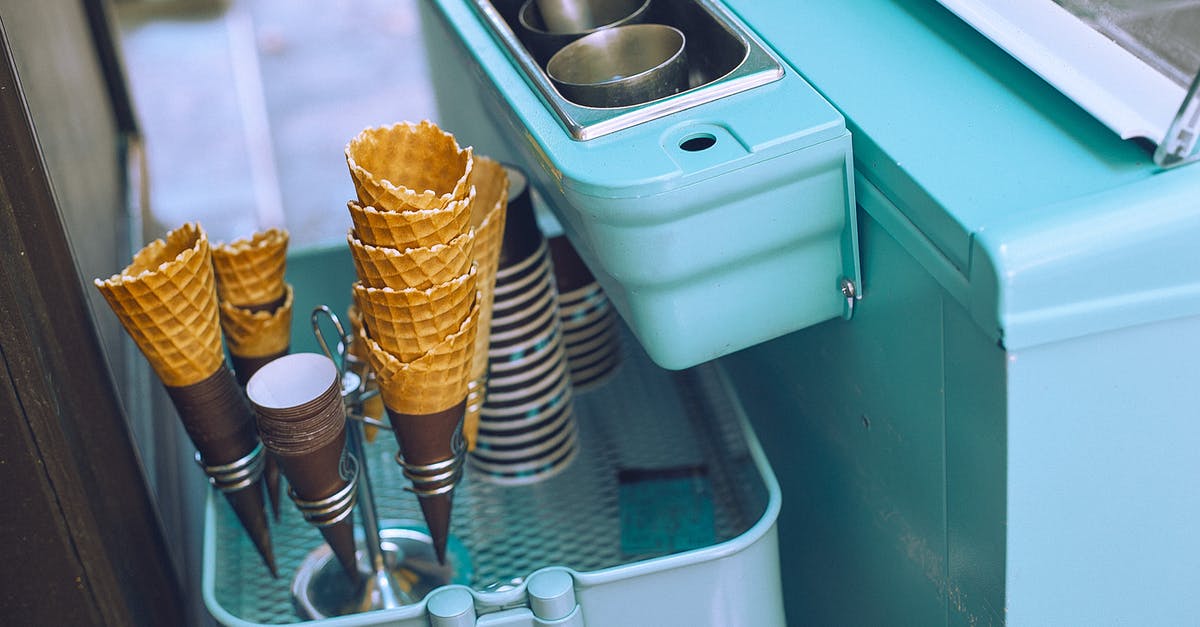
[{"x": 1120, "y": 90}]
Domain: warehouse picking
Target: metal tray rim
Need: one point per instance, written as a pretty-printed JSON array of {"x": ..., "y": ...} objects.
[{"x": 758, "y": 67}]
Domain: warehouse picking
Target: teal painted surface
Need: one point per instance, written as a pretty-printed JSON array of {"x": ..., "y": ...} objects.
[
  {"x": 1060, "y": 228},
  {"x": 702, "y": 253},
  {"x": 893, "y": 482},
  {"x": 1103, "y": 437},
  {"x": 319, "y": 276}
]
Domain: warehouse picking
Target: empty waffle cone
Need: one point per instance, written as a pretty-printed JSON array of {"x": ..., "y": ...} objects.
[
  {"x": 410, "y": 229},
  {"x": 408, "y": 166},
  {"x": 250, "y": 271},
  {"x": 418, "y": 268},
  {"x": 490, "y": 183},
  {"x": 252, "y": 333},
  {"x": 166, "y": 300},
  {"x": 432, "y": 382},
  {"x": 409, "y": 323},
  {"x": 257, "y": 337}
]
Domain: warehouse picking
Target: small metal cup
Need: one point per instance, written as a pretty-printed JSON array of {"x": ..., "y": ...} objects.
[
  {"x": 622, "y": 66},
  {"x": 543, "y": 41},
  {"x": 579, "y": 16}
]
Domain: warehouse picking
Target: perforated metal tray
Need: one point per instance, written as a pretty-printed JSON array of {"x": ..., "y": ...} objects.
[{"x": 645, "y": 420}]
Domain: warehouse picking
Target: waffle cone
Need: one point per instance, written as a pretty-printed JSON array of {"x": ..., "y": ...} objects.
[
  {"x": 257, "y": 333},
  {"x": 487, "y": 218},
  {"x": 431, "y": 383},
  {"x": 373, "y": 406},
  {"x": 410, "y": 229},
  {"x": 250, "y": 271},
  {"x": 167, "y": 302},
  {"x": 476, "y": 393},
  {"x": 409, "y": 323},
  {"x": 418, "y": 268},
  {"x": 408, "y": 166}
]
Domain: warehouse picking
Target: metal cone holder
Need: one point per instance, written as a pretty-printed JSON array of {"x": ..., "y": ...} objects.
[
  {"x": 438, "y": 478},
  {"x": 335, "y": 507},
  {"x": 236, "y": 475},
  {"x": 399, "y": 566}
]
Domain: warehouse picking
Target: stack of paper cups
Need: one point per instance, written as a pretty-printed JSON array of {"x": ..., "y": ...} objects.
[
  {"x": 527, "y": 428},
  {"x": 589, "y": 324}
]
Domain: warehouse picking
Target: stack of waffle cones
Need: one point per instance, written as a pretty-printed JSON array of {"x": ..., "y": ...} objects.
[
  {"x": 416, "y": 247},
  {"x": 167, "y": 301},
  {"x": 256, "y": 312},
  {"x": 256, "y": 302}
]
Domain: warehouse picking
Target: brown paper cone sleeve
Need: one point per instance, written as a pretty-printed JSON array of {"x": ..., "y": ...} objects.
[
  {"x": 488, "y": 216},
  {"x": 410, "y": 229},
  {"x": 315, "y": 475},
  {"x": 408, "y": 166},
  {"x": 166, "y": 301},
  {"x": 417, "y": 268},
  {"x": 250, "y": 271},
  {"x": 409, "y": 323},
  {"x": 220, "y": 425},
  {"x": 432, "y": 382},
  {"x": 271, "y": 479},
  {"x": 245, "y": 367},
  {"x": 427, "y": 439},
  {"x": 436, "y": 511}
]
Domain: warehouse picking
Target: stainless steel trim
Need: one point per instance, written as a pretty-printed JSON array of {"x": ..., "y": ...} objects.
[{"x": 758, "y": 67}]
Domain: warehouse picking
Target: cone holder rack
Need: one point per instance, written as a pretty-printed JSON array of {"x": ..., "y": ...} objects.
[
  {"x": 380, "y": 586},
  {"x": 591, "y": 520},
  {"x": 236, "y": 475}
]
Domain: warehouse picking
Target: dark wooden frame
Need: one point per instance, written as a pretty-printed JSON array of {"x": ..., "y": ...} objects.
[{"x": 82, "y": 543}]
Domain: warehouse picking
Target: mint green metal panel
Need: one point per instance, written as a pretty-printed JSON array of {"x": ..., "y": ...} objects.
[
  {"x": 879, "y": 462},
  {"x": 702, "y": 253},
  {"x": 319, "y": 276},
  {"x": 1104, "y": 434},
  {"x": 976, "y": 518}
]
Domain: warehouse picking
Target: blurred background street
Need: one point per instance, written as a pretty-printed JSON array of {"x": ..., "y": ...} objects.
[{"x": 246, "y": 105}]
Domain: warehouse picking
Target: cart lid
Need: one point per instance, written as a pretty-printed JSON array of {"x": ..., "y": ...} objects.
[{"x": 1050, "y": 225}]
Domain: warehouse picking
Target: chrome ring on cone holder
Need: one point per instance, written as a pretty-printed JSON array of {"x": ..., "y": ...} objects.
[
  {"x": 439, "y": 477},
  {"x": 335, "y": 507},
  {"x": 236, "y": 475}
]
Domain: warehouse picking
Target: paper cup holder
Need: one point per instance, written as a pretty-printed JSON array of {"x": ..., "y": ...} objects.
[{"x": 721, "y": 58}]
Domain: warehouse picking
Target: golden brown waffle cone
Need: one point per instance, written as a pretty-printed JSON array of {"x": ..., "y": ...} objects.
[
  {"x": 408, "y": 322},
  {"x": 408, "y": 166},
  {"x": 167, "y": 302},
  {"x": 420, "y": 268},
  {"x": 433, "y": 382},
  {"x": 250, "y": 271},
  {"x": 410, "y": 229},
  {"x": 257, "y": 333},
  {"x": 476, "y": 394},
  {"x": 372, "y": 407},
  {"x": 487, "y": 218}
]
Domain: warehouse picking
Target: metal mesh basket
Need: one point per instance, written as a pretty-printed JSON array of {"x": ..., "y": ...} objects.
[{"x": 663, "y": 467}]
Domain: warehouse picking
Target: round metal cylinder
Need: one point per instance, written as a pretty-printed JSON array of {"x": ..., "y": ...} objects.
[
  {"x": 621, "y": 66},
  {"x": 592, "y": 15}
]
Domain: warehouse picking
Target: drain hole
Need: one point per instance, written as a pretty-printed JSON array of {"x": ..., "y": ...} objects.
[{"x": 696, "y": 143}]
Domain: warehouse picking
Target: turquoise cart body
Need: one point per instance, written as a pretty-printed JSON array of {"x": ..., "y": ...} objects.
[{"x": 1006, "y": 430}]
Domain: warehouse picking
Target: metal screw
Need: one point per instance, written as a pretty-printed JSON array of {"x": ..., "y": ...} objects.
[
  {"x": 848, "y": 288},
  {"x": 851, "y": 295}
]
